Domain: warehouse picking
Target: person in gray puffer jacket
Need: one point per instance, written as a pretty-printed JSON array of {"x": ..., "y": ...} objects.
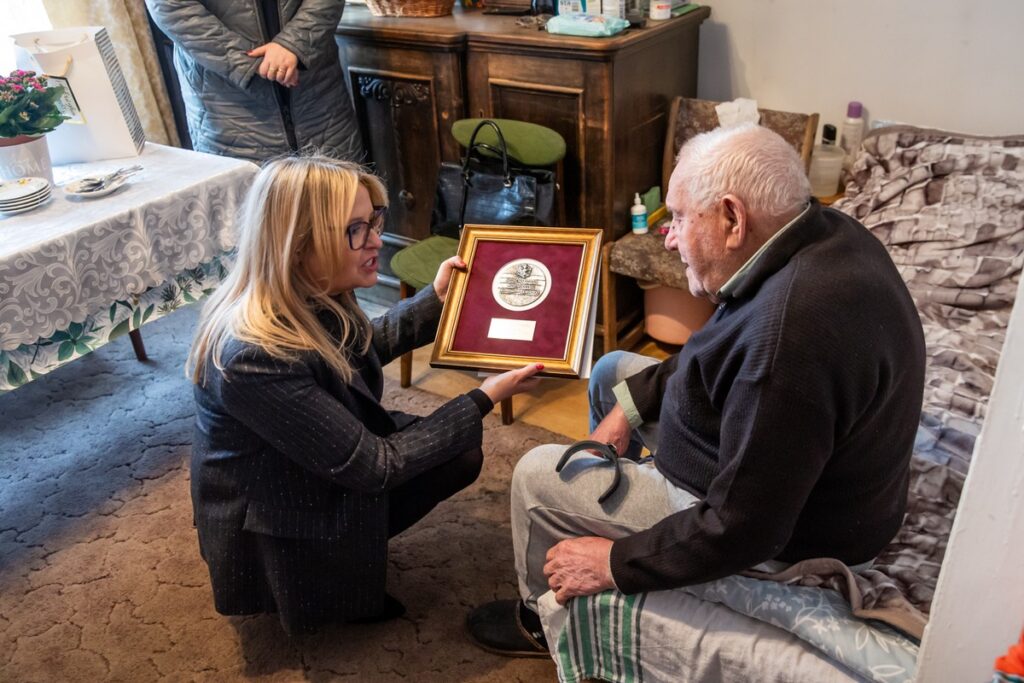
[{"x": 261, "y": 78}]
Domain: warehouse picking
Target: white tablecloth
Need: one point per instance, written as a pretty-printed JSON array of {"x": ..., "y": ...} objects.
[{"x": 72, "y": 258}]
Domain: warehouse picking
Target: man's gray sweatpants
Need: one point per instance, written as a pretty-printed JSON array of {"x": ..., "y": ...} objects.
[{"x": 548, "y": 507}]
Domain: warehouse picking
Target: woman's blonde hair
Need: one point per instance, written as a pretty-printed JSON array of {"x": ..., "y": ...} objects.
[{"x": 295, "y": 205}]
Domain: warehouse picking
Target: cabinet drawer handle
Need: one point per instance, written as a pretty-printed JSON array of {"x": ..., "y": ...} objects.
[{"x": 406, "y": 198}]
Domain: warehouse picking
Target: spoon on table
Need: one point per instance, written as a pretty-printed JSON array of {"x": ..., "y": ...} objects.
[{"x": 97, "y": 183}]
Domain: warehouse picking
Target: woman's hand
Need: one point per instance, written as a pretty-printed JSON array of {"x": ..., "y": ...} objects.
[
  {"x": 513, "y": 382},
  {"x": 279, "y": 64},
  {"x": 444, "y": 276}
]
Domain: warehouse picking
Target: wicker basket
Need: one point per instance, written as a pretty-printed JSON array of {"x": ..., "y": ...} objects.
[{"x": 410, "y": 8}]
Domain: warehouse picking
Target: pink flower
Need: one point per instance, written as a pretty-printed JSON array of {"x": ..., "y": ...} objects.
[{"x": 17, "y": 88}]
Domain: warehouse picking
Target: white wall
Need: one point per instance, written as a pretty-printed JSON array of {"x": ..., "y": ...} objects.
[
  {"x": 979, "y": 601},
  {"x": 945, "y": 64}
]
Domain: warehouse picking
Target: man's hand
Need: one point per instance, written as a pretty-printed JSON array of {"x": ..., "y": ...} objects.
[
  {"x": 579, "y": 566},
  {"x": 614, "y": 429},
  {"x": 513, "y": 382},
  {"x": 279, "y": 64},
  {"x": 444, "y": 276}
]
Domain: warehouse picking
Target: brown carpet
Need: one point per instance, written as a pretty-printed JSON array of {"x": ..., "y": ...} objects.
[{"x": 100, "y": 576}]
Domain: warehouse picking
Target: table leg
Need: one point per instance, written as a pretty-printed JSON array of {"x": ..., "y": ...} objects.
[{"x": 137, "y": 345}]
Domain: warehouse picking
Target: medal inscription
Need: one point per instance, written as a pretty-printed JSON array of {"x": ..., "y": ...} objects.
[{"x": 521, "y": 284}]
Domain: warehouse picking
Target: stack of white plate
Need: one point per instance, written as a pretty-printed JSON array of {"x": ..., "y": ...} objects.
[{"x": 23, "y": 194}]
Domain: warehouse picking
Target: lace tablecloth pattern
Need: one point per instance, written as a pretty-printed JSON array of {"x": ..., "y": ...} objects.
[{"x": 73, "y": 262}]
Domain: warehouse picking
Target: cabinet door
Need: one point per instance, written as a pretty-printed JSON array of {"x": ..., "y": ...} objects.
[
  {"x": 564, "y": 94},
  {"x": 405, "y": 101}
]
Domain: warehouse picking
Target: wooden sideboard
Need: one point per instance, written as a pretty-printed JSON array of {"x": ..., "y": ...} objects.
[{"x": 411, "y": 78}]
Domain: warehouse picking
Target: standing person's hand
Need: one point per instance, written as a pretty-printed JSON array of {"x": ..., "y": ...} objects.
[
  {"x": 614, "y": 429},
  {"x": 510, "y": 383},
  {"x": 444, "y": 276},
  {"x": 279, "y": 64}
]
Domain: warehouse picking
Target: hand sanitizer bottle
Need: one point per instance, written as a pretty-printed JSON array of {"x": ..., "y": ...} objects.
[{"x": 638, "y": 216}]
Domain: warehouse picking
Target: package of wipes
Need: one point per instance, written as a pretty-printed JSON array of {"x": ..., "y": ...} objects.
[{"x": 587, "y": 25}]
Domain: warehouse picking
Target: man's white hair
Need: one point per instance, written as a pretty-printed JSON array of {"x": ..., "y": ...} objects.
[{"x": 750, "y": 161}]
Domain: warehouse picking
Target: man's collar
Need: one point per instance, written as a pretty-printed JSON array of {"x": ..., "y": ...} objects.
[{"x": 772, "y": 255}]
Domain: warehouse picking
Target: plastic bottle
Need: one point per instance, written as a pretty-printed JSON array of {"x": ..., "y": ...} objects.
[
  {"x": 852, "y": 132},
  {"x": 638, "y": 216},
  {"x": 826, "y": 164}
]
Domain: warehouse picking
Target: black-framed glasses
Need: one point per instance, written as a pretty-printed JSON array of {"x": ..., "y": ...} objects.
[{"x": 358, "y": 233}]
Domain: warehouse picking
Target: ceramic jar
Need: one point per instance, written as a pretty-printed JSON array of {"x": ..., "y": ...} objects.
[{"x": 25, "y": 156}]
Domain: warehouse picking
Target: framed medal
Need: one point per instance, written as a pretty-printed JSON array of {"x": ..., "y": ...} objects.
[{"x": 528, "y": 295}]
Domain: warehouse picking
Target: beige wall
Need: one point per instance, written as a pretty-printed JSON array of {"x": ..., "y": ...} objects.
[{"x": 935, "y": 63}]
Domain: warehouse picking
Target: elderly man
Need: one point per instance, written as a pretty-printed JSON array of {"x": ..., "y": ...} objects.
[{"x": 783, "y": 429}]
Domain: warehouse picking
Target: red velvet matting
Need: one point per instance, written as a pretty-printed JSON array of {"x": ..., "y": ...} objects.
[{"x": 553, "y": 315}]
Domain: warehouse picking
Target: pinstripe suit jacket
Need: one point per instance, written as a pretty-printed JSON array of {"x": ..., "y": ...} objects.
[{"x": 291, "y": 467}]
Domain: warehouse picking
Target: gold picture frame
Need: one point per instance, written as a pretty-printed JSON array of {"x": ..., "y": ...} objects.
[{"x": 528, "y": 295}]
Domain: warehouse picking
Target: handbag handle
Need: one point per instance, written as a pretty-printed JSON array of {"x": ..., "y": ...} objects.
[{"x": 502, "y": 150}]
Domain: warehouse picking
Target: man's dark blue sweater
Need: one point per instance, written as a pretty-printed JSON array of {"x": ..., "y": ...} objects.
[{"x": 791, "y": 414}]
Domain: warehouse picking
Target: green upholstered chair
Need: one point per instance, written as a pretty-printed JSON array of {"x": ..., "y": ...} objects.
[
  {"x": 416, "y": 265},
  {"x": 531, "y": 144}
]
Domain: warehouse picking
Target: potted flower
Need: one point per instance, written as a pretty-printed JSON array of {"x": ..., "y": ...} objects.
[{"x": 28, "y": 110}]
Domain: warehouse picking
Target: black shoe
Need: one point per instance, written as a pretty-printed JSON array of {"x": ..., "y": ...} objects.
[
  {"x": 392, "y": 610},
  {"x": 507, "y": 627}
]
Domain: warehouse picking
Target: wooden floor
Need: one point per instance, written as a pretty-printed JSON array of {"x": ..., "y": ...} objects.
[{"x": 558, "y": 405}]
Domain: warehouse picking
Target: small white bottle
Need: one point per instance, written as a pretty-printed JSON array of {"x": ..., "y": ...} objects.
[
  {"x": 660, "y": 10},
  {"x": 826, "y": 164},
  {"x": 852, "y": 132},
  {"x": 638, "y": 216}
]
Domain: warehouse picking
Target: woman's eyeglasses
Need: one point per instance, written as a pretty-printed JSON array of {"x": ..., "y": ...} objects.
[{"x": 358, "y": 233}]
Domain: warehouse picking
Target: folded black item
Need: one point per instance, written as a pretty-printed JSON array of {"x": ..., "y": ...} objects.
[{"x": 604, "y": 450}]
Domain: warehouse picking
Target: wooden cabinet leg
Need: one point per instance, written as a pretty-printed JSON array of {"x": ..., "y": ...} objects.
[
  {"x": 507, "y": 417},
  {"x": 137, "y": 345}
]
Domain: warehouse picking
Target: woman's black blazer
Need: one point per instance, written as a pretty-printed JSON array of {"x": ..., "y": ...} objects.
[{"x": 291, "y": 467}]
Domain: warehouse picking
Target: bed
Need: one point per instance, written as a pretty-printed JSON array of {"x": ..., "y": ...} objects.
[{"x": 950, "y": 210}]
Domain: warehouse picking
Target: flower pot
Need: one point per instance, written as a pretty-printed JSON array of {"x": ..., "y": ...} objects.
[
  {"x": 671, "y": 315},
  {"x": 24, "y": 156}
]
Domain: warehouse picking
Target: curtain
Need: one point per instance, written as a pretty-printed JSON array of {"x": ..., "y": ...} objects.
[{"x": 126, "y": 22}]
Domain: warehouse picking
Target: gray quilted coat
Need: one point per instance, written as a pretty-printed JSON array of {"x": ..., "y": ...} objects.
[{"x": 234, "y": 112}]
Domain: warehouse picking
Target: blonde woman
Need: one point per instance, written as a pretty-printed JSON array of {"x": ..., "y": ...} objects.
[{"x": 299, "y": 475}]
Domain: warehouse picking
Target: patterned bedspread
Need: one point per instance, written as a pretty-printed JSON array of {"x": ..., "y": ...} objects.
[{"x": 950, "y": 210}]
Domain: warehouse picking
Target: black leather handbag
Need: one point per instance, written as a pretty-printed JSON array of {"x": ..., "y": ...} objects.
[{"x": 491, "y": 189}]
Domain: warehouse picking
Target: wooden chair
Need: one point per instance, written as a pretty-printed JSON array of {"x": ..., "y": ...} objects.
[
  {"x": 531, "y": 145},
  {"x": 643, "y": 257}
]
